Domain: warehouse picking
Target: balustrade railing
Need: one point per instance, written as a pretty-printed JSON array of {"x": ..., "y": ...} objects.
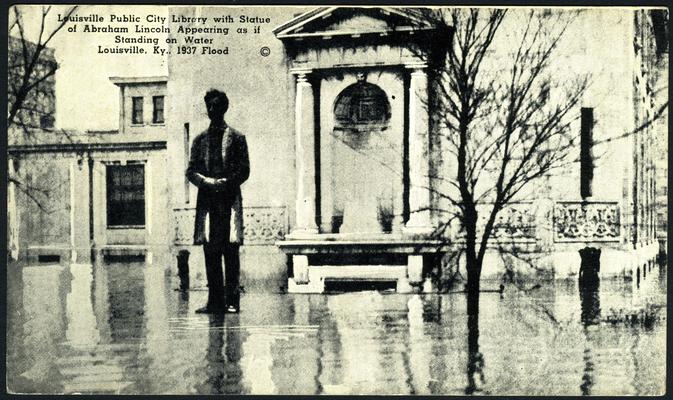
[
  {"x": 576, "y": 221},
  {"x": 262, "y": 225}
]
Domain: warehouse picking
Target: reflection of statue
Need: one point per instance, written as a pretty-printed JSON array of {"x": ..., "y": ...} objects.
[
  {"x": 223, "y": 370},
  {"x": 233, "y": 374},
  {"x": 214, "y": 365}
]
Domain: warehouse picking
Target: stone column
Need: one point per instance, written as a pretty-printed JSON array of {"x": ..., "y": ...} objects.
[
  {"x": 419, "y": 153},
  {"x": 398, "y": 208},
  {"x": 79, "y": 210},
  {"x": 305, "y": 156}
]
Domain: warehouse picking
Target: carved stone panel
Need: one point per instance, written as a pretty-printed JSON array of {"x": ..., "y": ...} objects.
[
  {"x": 516, "y": 222},
  {"x": 262, "y": 225},
  {"x": 586, "y": 222}
]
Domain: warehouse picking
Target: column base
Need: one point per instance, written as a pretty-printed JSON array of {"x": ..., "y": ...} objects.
[
  {"x": 422, "y": 230},
  {"x": 302, "y": 233}
]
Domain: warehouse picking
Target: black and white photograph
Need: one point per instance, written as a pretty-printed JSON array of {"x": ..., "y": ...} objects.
[{"x": 337, "y": 200}]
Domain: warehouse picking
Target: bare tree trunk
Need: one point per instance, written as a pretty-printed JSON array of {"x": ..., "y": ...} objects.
[
  {"x": 473, "y": 267},
  {"x": 473, "y": 287},
  {"x": 475, "y": 361},
  {"x": 472, "y": 261}
]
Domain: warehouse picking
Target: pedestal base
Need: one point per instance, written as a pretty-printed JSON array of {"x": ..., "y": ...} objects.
[
  {"x": 418, "y": 231},
  {"x": 388, "y": 258}
]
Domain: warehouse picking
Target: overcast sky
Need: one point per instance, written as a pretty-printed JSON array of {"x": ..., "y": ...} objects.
[{"x": 85, "y": 97}]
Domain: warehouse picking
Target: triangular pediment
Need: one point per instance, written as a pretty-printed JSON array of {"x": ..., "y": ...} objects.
[{"x": 334, "y": 21}]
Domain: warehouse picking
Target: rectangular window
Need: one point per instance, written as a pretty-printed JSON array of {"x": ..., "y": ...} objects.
[
  {"x": 137, "y": 115},
  {"x": 125, "y": 195},
  {"x": 586, "y": 156},
  {"x": 158, "y": 112}
]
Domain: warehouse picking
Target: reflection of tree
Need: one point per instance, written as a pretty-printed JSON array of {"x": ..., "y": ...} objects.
[
  {"x": 591, "y": 313},
  {"x": 591, "y": 304},
  {"x": 475, "y": 359},
  {"x": 16, "y": 358}
]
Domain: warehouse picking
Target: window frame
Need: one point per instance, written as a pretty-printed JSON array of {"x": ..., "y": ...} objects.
[
  {"x": 137, "y": 100},
  {"x": 111, "y": 205},
  {"x": 155, "y": 120}
]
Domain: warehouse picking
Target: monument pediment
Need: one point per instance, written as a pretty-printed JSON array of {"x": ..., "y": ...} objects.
[{"x": 351, "y": 21}]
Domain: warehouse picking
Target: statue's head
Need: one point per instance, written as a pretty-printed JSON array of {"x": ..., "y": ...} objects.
[{"x": 217, "y": 104}]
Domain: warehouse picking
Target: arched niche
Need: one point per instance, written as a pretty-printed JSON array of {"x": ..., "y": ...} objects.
[
  {"x": 361, "y": 120},
  {"x": 361, "y": 106}
]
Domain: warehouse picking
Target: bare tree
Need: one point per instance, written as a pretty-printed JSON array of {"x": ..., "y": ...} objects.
[
  {"x": 504, "y": 113},
  {"x": 503, "y": 128},
  {"x": 30, "y": 69}
]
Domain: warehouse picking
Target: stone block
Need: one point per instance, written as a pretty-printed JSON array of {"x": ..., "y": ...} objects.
[
  {"x": 300, "y": 268},
  {"x": 415, "y": 268},
  {"x": 403, "y": 286},
  {"x": 316, "y": 285}
]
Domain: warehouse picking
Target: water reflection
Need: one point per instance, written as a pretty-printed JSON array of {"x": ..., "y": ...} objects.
[
  {"x": 121, "y": 328},
  {"x": 222, "y": 362},
  {"x": 419, "y": 345},
  {"x": 125, "y": 301},
  {"x": 591, "y": 315},
  {"x": 44, "y": 325},
  {"x": 475, "y": 359},
  {"x": 82, "y": 328},
  {"x": 590, "y": 301}
]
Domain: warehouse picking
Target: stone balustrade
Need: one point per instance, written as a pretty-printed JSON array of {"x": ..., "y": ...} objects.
[
  {"x": 586, "y": 221},
  {"x": 570, "y": 221},
  {"x": 263, "y": 225}
]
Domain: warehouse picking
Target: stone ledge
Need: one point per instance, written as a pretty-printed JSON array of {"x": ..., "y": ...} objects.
[{"x": 336, "y": 243}]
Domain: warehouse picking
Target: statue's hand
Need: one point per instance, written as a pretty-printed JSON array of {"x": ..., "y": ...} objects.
[
  {"x": 210, "y": 183},
  {"x": 220, "y": 184}
]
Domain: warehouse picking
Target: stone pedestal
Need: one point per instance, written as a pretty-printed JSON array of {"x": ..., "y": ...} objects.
[
  {"x": 300, "y": 269},
  {"x": 415, "y": 268},
  {"x": 360, "y": 216}
]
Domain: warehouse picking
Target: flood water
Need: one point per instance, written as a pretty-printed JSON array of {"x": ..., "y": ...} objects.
[{"x": 123, "y": 328}]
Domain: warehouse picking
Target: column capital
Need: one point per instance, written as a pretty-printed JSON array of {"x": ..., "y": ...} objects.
[
  {"x": 301, "y": 74},
  {"x": 416, "y": 67}
]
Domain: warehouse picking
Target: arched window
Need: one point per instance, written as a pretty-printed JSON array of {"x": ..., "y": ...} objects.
[{"x": 361, "y": 105}]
